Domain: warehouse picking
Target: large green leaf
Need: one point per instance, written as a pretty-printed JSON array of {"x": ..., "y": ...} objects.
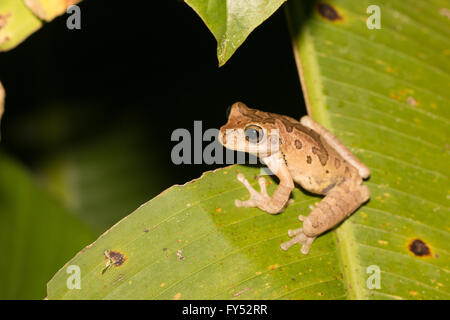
[
  {"x": 191, "y": 242},
  {"x": 232, "y": 21},
  {"x": 37, "y": 234},
  {"x": 384, "y": 93}
]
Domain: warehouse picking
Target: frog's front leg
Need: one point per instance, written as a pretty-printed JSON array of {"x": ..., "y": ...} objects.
[
  {"x": 338, "y": 204},
  {"x": 262, "y": 200}
]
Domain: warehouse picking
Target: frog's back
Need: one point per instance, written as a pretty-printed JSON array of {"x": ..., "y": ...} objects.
[{"x": 312, "y": 162}]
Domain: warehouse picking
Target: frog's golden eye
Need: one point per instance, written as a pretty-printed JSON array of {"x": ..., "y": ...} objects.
[{"x": 254, "y": 133}]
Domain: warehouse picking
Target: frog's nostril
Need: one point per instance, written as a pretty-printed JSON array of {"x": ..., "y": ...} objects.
[{"x": 228, "y": 111}]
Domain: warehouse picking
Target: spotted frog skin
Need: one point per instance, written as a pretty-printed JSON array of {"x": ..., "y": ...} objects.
[{"x": 302, "y": 152}]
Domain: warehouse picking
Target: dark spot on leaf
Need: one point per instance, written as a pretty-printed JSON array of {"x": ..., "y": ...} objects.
[
  {"x": 145, "y": 230},
  {"x": 298, "y": 144},
  {"x": 164, "y": 249},
  {"x": 308, "y": 159},
  {"x": 117, "y": 258},
  {"x": 419, "y": 248},
  {"x": 327, "y": 11}
]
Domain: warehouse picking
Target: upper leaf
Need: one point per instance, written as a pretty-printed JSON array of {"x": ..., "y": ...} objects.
[{"x": 231, "y": 21}]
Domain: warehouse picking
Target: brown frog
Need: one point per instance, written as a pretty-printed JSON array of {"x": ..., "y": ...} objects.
[{"x": 303, "y": 152}]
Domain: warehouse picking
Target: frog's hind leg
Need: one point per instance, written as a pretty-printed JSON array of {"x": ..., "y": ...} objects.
[
  {"x": 338, "y": 204},
  {"x": 333, "y": 141}
]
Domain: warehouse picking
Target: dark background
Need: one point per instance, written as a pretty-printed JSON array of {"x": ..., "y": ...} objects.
[{"x": 106, "y": 98}]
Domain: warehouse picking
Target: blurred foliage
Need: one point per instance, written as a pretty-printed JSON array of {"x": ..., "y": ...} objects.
[
  {"x": 107, "y": 177},
  {"x": 101, "y": 167},
  {"x": 37, "y": 233}
]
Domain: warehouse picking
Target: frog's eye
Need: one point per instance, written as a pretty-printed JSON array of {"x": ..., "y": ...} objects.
[
  {"x": 228, "y": 111},
  {"x": 254, "y": 134}
]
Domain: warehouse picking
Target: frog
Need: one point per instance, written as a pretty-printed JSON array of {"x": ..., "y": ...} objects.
[{"x": 297, "y": 152}]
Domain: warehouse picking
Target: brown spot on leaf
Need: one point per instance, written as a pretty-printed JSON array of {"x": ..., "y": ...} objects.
[
  {"x": 419, "y": 248},
  {"x": 411, "y": 101},
  {"x": 180, "y": 257},
  {"x": 4, "y": 19},
  {"x": 237, "y": 294},
  {"x": 298, "y": 144},
  {"x": 116, "y": 258},
  {"x": 327, "y": 11},
  {"x": 308, "y": 159}
]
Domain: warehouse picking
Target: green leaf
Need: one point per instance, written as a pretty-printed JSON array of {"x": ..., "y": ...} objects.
[
  {"x": 21, "y": 18},
  {"x": 191, "y": 242},
  {"x": 385, "y": 94},
  {"x": 17, "y": 22},
  {"x": 37, "y": 235},
  {"x": 232, "y": 21}
]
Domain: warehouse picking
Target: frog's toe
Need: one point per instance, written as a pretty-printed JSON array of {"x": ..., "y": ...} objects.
[
  {"x": 241, "y": 178},
  {"x": 298, "y": 237},
  {"x": 294, "y": 232},
  {"x": 262, "y": 186},
  {"x": 256, "y": 198},
  {"x": 307, "y": 244},
  {"x": 246, "y": 204}
]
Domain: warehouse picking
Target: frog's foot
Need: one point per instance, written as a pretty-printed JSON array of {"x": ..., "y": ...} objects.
[
  {"x": 256, "y": 198},
  {"x": 298, "y": 237}
]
